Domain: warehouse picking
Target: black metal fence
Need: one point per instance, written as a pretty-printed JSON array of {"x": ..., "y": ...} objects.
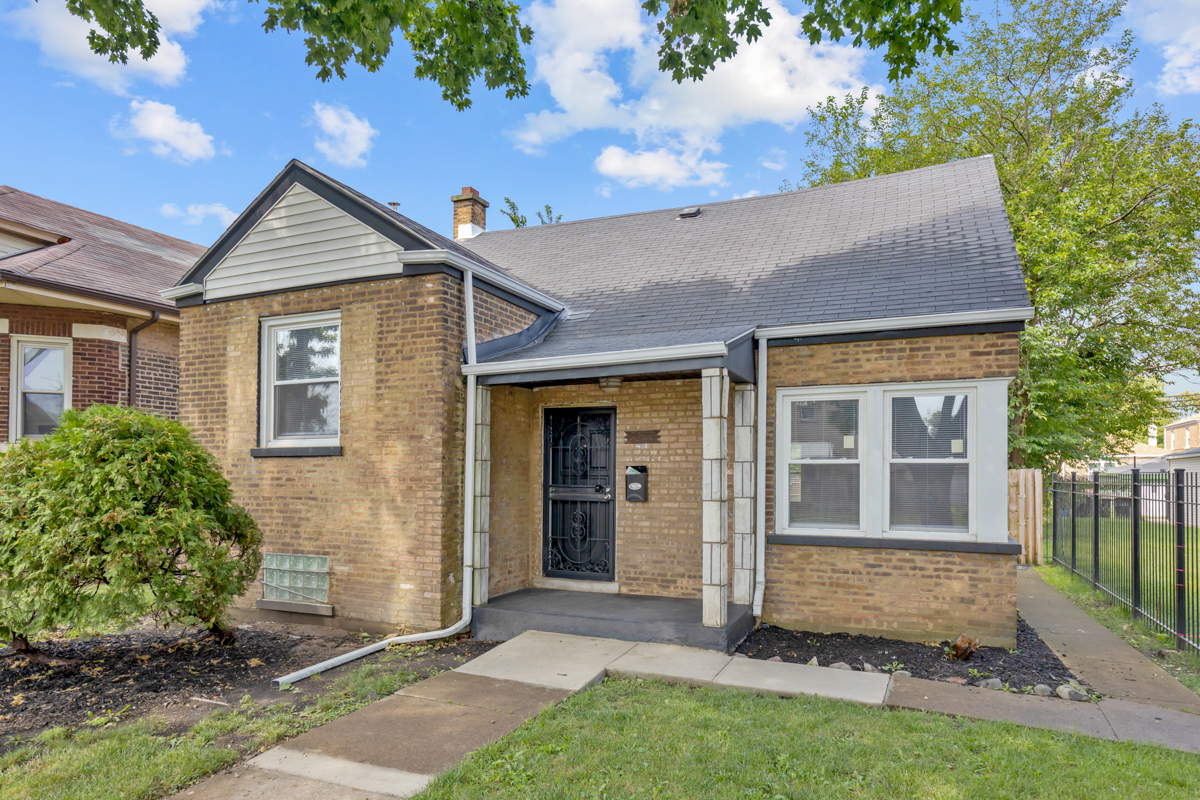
[{"x": 1136, "y": 537}]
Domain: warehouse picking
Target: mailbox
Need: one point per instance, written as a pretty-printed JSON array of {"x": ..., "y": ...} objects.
[{"x": 636, "y": 484}]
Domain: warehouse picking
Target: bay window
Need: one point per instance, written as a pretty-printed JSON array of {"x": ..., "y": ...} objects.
[{"x": 907, "y": 461}]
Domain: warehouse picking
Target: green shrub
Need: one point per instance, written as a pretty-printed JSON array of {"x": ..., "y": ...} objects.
[{"x": 115, "y": 515}]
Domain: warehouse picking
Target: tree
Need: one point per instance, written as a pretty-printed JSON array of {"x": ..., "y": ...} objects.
[
  {"x": 518, "y": 219},
  {"x": 115, "y": 515},
  {"x": 456, "y": 42},
  {"x": 1104, "y": 202}
]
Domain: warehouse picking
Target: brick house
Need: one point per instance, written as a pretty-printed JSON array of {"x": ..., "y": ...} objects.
[
  {"x": 81, "y": 319},
  {"x": 659, "y": 425}
]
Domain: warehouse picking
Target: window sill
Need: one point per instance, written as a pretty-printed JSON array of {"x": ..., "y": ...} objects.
[
  {"x": 877, "y": 543},
  {"x": 295, "y": 607},
  {"x": 295, "y": 452}
]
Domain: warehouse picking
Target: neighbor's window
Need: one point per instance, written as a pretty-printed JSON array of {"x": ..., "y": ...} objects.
[
  {"x": 301, "y": 368},
  {"x": 929, "y": 463},
  {"x": 823, "y": 464},
  {"x": 41, "y": 385}
]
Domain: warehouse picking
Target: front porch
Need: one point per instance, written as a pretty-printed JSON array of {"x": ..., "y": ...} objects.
[{"x": 628, "y": 617}]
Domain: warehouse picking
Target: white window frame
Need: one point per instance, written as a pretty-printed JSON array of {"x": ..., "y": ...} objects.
[
  {"x": 269, "y": 326},
  {"x": 927, "y": 390},
  {"x": 987, "y": 450},
  {"x": 16, "y": 417},
  {"x": 785, "y": 461}
]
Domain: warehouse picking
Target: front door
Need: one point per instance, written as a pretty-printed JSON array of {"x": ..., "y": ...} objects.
[{"x": 580, "y": 483}]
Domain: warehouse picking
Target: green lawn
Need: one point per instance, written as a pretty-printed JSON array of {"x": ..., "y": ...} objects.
[{"x": 632, "y": 739}]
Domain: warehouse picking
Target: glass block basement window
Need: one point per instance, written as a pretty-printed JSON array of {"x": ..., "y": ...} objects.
[{"x": 304, "y": 579}]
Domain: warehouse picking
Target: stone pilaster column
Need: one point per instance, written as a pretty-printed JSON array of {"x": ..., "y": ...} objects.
[
  {"x": 714, "y": 384},
  {"x": 482, "y": 489},
  {"x": 743, "y": 493}
]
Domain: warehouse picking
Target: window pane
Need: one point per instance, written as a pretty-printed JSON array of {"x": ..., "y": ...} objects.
[
  {"x": 41, "y": 412},
  {"x": 929, "y": 426},
  {"x": 308, "y": 353},
  {"x": 306, "y": 409},
  {"x": 823, "y": 495},
  {"x": 43, "y": 369},
  {"x": 929, "y": 497},
  {"x": 824, "y": 429}
]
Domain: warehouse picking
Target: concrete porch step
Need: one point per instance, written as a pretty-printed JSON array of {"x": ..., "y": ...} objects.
[{"x": 629, "y": 618}]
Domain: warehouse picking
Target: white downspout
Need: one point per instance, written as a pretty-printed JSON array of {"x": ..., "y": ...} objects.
[
  {"x": 760, "y": 484},
  {"x": 468, "y": 578}
]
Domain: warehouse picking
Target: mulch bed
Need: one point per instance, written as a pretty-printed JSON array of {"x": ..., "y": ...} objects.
[
  {"x": 149, "y": 671},
  {"x": 1032, "y": 663}
]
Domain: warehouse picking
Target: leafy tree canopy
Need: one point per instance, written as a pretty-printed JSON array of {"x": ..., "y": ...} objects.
[
  {"x": 520, "y": 221},
  {"x": 115, "y": 515},
  {"x": 1104, "y": 201},
  {"x": 456, "y": 42}
]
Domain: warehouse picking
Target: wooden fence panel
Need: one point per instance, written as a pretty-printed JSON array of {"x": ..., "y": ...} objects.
[{"x": 1025, "y": 512}]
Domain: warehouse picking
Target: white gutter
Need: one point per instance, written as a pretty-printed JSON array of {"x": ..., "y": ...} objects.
[
  {"x": 895, "y": 323},
  {"x": 760, "y": 484},
  {"x": 643, "y": 355},
  {"x": 468, "y": 577},
  {"x": 184, "y": 290},
  {"x": 487, "y": 273}
]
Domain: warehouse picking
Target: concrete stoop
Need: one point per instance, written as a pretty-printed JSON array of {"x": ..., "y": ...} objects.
[{"x": 394, "y": 747}]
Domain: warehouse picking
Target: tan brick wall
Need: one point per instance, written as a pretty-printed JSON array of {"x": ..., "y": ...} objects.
[
  {"x": 915, "y": 595},
  {"x": 388, "y": 512},
  {"x": 1182, "y": 435},
  {"x": 905, "y": 594},
  {"x": 495, "y": 317},
  {"x": 99, "y": 368},
  {"x": 657, "y": 542}
]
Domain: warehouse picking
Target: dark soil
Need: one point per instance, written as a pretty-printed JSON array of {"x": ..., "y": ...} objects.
[
  {"x": 1031, "y": 663},
  {"x": 172, "y": 673}
]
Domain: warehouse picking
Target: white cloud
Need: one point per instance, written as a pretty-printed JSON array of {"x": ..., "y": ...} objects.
[
  {"x": 345, "y": 139},
  {"x": 598, "y": 59},
  {"x": 62, "y": 38},
  {"x": 196, "y": 213},
  {"x": 751, "y": 193},
  {"x": 169, "y": 135},
  {"x": 776, "y": 159},
  {"x": 1174, "y": 26}
]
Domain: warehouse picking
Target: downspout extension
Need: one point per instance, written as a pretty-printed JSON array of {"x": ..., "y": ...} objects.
[
  {"x": 154, "y": 316},
  {"x": 760, "y": 484},
  {"x": 468, "y": 578}
]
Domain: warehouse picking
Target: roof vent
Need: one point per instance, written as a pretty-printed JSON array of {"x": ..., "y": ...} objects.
[{"x": 688, "y": 213}]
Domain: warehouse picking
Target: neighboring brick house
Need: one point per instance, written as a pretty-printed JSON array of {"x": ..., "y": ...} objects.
[
  {"x": 1182, "y": 434},
  {"x": 80, "y": 304},
  {"x": 790, "y": 408}
]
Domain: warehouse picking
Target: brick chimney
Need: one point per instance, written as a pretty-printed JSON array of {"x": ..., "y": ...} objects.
[{"x": 470, "y": 213}]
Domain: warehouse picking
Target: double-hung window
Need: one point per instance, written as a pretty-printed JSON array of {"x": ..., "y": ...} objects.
[
  {"x": 40, "y": 388},
  {"x": 301, "y": 380},
  {"x": 905, "y": 461}
]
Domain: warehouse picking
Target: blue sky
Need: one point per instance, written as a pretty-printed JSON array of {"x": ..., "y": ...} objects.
[{"x": 180, "y": 143}]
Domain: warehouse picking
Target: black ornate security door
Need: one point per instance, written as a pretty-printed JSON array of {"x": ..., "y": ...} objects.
[{"x": 580, "y": 483}]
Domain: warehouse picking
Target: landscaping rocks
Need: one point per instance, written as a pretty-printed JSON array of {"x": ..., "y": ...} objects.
[
  {"x": 838, "y": 665},
  {"x": 1071, "y": 693},
  {"x": 1031, "y": 663},
  {"x": 868, "y": 668},
  {"x": 901, "y": 673},
  {"x": 990, "y": 683},
  {"x": 1043, "y": 690},
  {"x": 813, "y": 662},
  {"x": 775, "y": 658}
]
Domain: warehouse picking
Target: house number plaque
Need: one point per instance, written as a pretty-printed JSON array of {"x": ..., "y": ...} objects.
[{"x": 641, "y": 437}]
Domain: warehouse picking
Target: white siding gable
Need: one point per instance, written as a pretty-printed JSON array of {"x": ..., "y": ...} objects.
[
  {"x": 303, "y": 240},
  {"x": 10, "y": 244}
]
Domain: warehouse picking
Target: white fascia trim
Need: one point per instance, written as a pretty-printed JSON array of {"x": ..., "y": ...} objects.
[
  {"x": 184, "y": 290},
  {"x": 487, "y": 273},
  {"x": 895, "y": 323},
  {"x": 703, "y": 350}
]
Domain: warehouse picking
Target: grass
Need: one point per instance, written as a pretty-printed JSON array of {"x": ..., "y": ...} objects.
[
  {"x": 1141, "y": 635},
  {"x": 144, "y": 759},
  {"x": 638, "y": 739}
]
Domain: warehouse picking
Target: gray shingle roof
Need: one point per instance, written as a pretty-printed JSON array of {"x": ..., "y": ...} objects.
[
  {"x": 928, "y": 241},
  {"x": 105, "y": 256}
]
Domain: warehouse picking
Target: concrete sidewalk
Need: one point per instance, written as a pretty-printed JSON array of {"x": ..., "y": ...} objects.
[
  {"x": 1096, "y": 655},
  {"x": 394, "y": 747}
]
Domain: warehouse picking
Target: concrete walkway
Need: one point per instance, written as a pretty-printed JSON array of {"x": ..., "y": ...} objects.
[
  {"x": 394, "y": 747},
  {"x": 1096, "y": 655}
]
